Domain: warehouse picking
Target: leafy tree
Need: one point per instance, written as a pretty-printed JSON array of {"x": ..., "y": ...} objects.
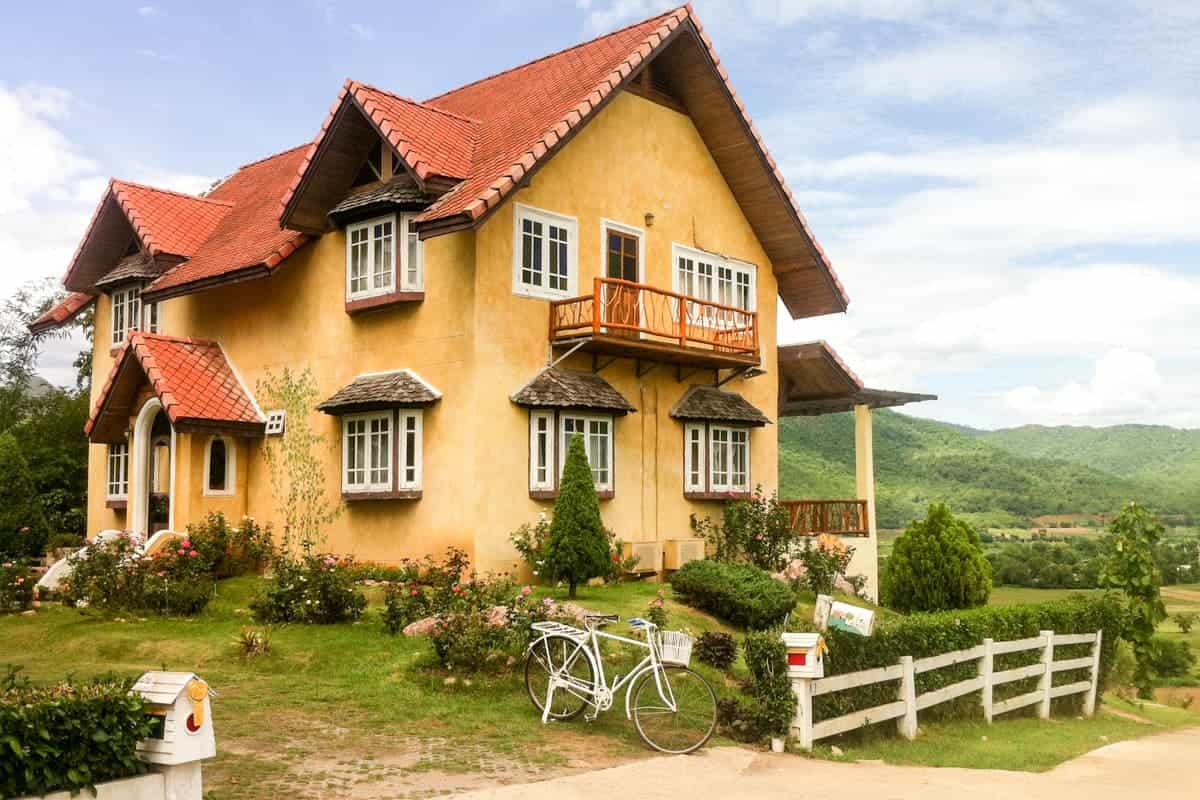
[
  {"x": 937, "y": 564},
  {"x": 1129, "y": 566},
  {"x": 577, "y": 548},
  {"x": 22, "y": 524},
  {"x": 52, "y": 441}
]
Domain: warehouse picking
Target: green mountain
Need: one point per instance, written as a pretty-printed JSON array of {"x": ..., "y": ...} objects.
[{"x": 998, "y": 478}]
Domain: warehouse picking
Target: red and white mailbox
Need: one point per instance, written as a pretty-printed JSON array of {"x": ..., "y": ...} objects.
[{"x": 805, "y": 655}]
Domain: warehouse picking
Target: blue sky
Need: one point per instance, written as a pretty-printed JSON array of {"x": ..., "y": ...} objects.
[{"x": 1009, "y": 190}]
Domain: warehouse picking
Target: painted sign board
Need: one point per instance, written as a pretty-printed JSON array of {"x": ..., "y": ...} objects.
[{"x": 830, "y": 613}]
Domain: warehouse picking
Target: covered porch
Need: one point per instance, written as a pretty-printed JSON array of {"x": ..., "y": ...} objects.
[{"x": 813, "y": 380}]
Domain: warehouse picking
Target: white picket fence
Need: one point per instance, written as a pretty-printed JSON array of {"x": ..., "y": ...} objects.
[{"x": 908, "y": 703}]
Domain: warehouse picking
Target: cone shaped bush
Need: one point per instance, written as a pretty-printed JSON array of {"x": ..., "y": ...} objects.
[
  {"x": 937, "y": 564},
  {"x": 577, "y": 548}
]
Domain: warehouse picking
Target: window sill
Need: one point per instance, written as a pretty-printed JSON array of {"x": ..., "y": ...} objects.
[
  {"x": 716, "y": 495},
  {"x": 552, "y": 494},
  {"x": 364, "y": 304},
  {"x": 116, "y": 504},
  {"x": 403, "y": 494}
]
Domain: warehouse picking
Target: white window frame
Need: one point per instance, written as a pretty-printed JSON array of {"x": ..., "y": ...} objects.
[
  {"x": 367, "y": 485},
  {"x": 707, "y": 473},
  {"x": 127, "y": 302},
  {"x": 118, "y": 455},
  {"x": 695, "y": 457},
  {"x": 564, "y": 444},
  {"x": 736, "y": 269},
  {"x": 522, "y": 213},
  {"x": 152, "y": 317},
  {"x": 276, "y": 422},
  {"x": 409, "y": 454},
  {"x": 230, "y": 467},
  {"x": 542, "y": 443},
  {"x": 405, "y": 276}
]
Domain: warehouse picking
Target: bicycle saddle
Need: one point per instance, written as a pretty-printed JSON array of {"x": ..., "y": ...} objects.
[{"x": 602, "y": 618}]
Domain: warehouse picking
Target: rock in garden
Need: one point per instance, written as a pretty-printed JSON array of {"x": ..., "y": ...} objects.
[
  {"x": 836, "y": 751},
  {"x": 422, "y": 627}
]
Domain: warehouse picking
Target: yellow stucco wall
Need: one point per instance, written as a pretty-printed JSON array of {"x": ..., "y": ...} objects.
[{"x": 477, "y": 342}]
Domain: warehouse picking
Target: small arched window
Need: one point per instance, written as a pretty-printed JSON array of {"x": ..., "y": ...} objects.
[{"x": 219, "y": 467}]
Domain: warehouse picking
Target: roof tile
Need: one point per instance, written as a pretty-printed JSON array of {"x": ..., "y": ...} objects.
[{"x": 558, "y": 387}]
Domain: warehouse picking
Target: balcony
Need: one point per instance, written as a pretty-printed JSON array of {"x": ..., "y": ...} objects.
[
  {"x": 839, "y": 517},
  {"x": 632, "y": 320}
]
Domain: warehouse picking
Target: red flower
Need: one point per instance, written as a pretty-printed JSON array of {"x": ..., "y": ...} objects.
[
  {"x": 193, "y": 554},
  {"x": 415, "y": 593}
]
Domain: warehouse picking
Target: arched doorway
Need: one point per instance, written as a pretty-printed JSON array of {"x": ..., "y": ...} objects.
[{"x": 152, "y": 473}]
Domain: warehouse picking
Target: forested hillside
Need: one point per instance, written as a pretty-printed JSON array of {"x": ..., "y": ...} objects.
[{"x": 996, "y": 479}]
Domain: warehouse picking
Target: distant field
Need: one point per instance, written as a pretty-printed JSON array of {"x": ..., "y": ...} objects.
[{"x": 1015, "y": 595}]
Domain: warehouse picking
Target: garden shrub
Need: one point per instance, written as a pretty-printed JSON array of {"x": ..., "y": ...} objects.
[
  {"x": 113, "y": 576},
  {"x": 69, "y": 736},
  {"x": 656, "y": 610},
  {"x": 229, "y": 551},
  {"x": 477, "y": 631},
  {"x": 922, "y": 635},
  {"x": 756, "y": 531},
  {"x": 1129, "y": 566},
  {"x": 64, "y": 541},
  {"x": 1185, "y": 620},
  {"x": 774, "y": 703},
  {"x": 23, "y": 529},
  {"x": 530, "y": 542},
  {"x": 315, "y": 589},
  {"x": 577, "y": 547},
  {"x": 937, "y": 564},
  {"x": 16, "y": 587},
  {"x": 740, "y": 594},
  {"x": 824, "y": 560},
  {"x": 717, "y": 649},
  {"x": 1170, "y": 659},
  {"x": 403, "y": 603}
]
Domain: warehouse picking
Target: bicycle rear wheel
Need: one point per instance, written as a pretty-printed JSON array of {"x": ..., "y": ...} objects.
[
  {"x": 550, "y": 655},
  {"x": 683, "y": 728}
]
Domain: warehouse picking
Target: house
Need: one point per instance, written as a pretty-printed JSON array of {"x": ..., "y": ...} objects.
[{"x": 596, "y": 243}]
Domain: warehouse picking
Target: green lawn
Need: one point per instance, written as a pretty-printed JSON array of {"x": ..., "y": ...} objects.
[
  {"x": 343, "y": 706},
  {"x": 1017, "y": 595},
  {"x": 1024, "y": 743}
]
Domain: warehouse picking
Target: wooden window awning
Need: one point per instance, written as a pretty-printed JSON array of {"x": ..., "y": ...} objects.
[
  {"x": 710, "y": 404},
  {"x": 376, "y": 391},
  {"x": 814, "y": 380},
  {"x": 558, "y": 387}
]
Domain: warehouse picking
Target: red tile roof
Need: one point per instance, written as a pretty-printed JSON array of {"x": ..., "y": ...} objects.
[
  {"x": 192, "y": 378},
  {"x": 62, "y": 313},
  {"x": 168, "y": 222},
  {"x": 249, "y": 237}
]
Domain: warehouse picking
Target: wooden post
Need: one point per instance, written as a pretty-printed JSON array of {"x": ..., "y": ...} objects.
[
  {"x": 597, "y": 301},
  {"x": 683, "y": 312},
  {"x": 986, "y": 667},
  {"x": 802, "y": 725},
  {"x": 1047, "y": 675},
  {"x": 1089, "y": 703},
  {"x": 864, "y": 485},
  {"x": 907, "y": 724}
]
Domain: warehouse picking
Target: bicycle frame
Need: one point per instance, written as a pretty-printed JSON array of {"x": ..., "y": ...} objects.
[{"x": 600, "y": 694}]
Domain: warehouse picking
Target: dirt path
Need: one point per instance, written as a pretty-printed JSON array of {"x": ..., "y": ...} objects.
[{"x": 1160, "y": 767}]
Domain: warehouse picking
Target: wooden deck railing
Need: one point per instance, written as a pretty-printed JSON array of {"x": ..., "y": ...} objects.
[
  {"x": 814, "y": 517},
  {"x": 623, "y": 308}
]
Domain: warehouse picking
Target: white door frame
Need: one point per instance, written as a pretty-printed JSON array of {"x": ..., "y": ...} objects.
[{"x": 139, "y": 478}]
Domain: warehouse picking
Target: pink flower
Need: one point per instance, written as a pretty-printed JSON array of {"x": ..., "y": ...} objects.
[
  {"x": 187, "y": 544},
  {"x": 547, "y": 602},
  {"x": 182, "y": 551},
  {"x": 415, "y": 593},
  {"x": 193, "y": 554},
  {"x": 526, "y": 591},
  {"x": 25, "y": 529}
]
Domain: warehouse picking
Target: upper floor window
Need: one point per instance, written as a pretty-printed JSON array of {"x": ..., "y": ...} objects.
[
  {"x": 118, "y": 471},
  {"x": 150, "y": 318},
  {"x": 545, "y": 253},
  {"x": 381, "y": 254},
  {"x": 706, "y": 276},
  {"x": 126, "y": 312},
  {"x": 219, "y": 466}
]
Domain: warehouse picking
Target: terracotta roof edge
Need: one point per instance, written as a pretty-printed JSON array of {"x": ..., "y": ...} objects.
[
  {"x": 185, "y": 195},
  {"x": 461, "y": 118}
]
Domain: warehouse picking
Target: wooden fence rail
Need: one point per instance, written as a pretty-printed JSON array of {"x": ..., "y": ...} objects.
[{"x": 904, "y": 709}]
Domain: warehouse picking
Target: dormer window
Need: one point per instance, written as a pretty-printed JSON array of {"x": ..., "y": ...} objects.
[
  {"x": 126, "y": 312},
  {"x": 372, "y": 168},
  {"x": 383, "y": 255}
]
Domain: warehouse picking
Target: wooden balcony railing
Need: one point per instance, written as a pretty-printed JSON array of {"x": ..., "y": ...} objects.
[
  {"x": 840, "y": 517},
  {"x": 618, "y": 308}
]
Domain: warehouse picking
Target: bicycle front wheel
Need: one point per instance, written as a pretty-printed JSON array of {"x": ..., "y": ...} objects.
[
  {"x": 677, "y": 716},
  {"x": 563, "y": 657}
]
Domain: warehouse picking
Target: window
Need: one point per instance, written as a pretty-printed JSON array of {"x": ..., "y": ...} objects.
[
  {"x": 381, "y": 451},
  {"x": 541, "y": 451},
  {"x": 150, "y": 320},
  {"x": 544, "y": 253},
  {"x": 372, "y": 254},
  {"x": 275, "y": 422},
  {"x": 126, "y": 312},
  {"x": 707, "y": 276},
  {"x": 716, "y": 458},
  {"x": 219, "y": 476},
  {"x": 118, "y": 471}
]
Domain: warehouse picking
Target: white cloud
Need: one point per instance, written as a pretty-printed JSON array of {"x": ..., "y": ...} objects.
[
  {"x": 362, "y": 31},
  {"x": 150, "y": 11},
  {"x": 1126, "y": 384},
  {"x": 960, "y": 66}
]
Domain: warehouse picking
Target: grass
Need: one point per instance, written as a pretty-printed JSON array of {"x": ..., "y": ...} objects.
[
  {"x": 1026, "y": 743},
  {"x": 336, "y": 706},
  {"x": 1019, "y": 595}
]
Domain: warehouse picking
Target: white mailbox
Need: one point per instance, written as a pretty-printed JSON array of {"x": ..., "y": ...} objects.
[
  {"x": 180, "y": 707},
  {"x": 805, "y": 655}
]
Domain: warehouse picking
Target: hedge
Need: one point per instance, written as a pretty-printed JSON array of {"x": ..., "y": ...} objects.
[
  {"x": 70, "y": 736},
  {"x": 922, "y": 635},
  {"x": 740, "y": 594}
]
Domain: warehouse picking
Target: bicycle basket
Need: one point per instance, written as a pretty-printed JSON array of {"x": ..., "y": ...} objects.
[{"x": 674, "y": 647}]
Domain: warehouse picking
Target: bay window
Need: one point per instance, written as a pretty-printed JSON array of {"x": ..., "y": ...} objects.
[
  {"x": 382, "y": 254},
  {"x": 126, "y": 312},
  {"x": 550, "y": 435},
  {"x": 716, "y": 459},
  {"x": 381, "y": 452}
]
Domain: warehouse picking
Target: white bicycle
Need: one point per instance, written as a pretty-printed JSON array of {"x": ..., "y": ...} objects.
[{"x": 672, "y": 706}]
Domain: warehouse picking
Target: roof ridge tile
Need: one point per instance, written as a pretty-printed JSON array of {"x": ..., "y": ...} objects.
[{"x": 159, "y": 189}]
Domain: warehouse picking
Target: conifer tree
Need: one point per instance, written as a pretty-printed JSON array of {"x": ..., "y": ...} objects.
[{"x": 577, "y": 547}]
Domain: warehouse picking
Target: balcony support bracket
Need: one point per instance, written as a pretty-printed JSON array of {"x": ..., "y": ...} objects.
[
  {"x": 683, "y": 373},
  {"x": 644, "y": 368},
  {"x": 598, "y": 364},
  {"x": 553, "y": 362},
  {"x": 737, "y": 372}
]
